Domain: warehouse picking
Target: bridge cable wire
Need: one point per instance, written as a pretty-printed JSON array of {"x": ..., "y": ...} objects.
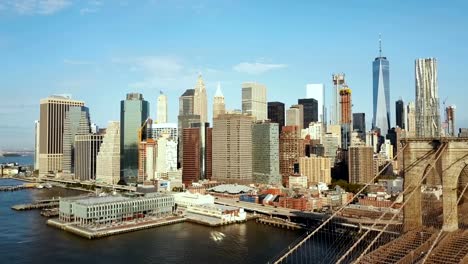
[{"x": 298, "y": 245}]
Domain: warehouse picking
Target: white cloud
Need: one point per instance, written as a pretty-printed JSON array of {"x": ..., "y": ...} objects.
[
  {"x": 40, "y": 7},
  {"x": 257, "y": 67}
]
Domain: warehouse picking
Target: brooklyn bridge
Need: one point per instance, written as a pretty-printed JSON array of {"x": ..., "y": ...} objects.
[{"x": 429, "y": 225}]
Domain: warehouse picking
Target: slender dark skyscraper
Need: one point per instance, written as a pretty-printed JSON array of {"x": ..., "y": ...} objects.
[
  {"x": 310, "y": 110},
  {"x": 400, "y": 113},
  {"x": 359, "y": 122},
  {"x": 276, "y": 113},
  {"x": 381, "y": 89}
]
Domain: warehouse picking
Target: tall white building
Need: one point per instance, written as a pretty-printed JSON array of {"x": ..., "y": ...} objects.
[
  {"x": 254, "y": 100},
  {"x": 166, "y": 160},
  {"x": 162, "y": 108},
  {"x": 108, "y": 158},
  {"x": 158, "y": 130},
  {"x": 199, "y": 100},
  {"x": 317, "y": 91},
  {"x": 36, "y": 144},
  {"x": 427, "y": 98},
  {"x": 219, "y": 107},
  {"x": 295, "y": 116},
  {"x": 338, "y": 84}
]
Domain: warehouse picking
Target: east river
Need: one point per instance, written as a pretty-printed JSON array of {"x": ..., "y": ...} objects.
[{"x": 25, "y": 238}]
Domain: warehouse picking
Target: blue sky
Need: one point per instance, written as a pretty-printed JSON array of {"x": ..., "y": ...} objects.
[{"x": 100, "y": 50}]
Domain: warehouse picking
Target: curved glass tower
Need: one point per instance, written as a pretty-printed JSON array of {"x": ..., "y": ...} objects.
[{"x": 381, "y": 96}]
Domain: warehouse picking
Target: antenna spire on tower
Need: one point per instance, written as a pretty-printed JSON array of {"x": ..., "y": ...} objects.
[{"x": 380, "y": 45}]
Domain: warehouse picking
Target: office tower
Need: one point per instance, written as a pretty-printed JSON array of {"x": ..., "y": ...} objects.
[
  {"x": 315, "y": 131},
  {"x": 52, "y": 117},
  {"x": 265, "y": 153},
  {"x": 108, "y": 158},
  {"x": 166, "y": 160},
  {"x": 360, "y": 164},
  {"x": 411, "y": 120},
  {"x": 197, "y": 153},
  {"x": 317, "y": 169},
  {"x": 147, "y": 154},
  {"x": 86, "y": 151},
  {"x": 427, "y": 98},
  {"x": 232, "y": 148},
  {"x": 450, "y": 120},
  {"x": 336, "y": 130},
  {"x": 162, "y": 108},
  {"x": 134, "y": 112},
  {"x": 359, "y": 122},
  {"x": 76, "y": 123},
  {"x": 295, "y": 116},
  {"x": 338, "y": 82},
  {"x": 254, "y": 100},
  {"x": 159, "y": 130},
  {"x": 276, "y": 114},
  {"x": 317, "y": 91},
  {"x": 381, "y": 92},
  {"x": 346, "y": 116},
  {"x": 185, "y": 118},
  {"x": 331, "y": 142},
  {"x": 291, "y": 148},
  {"x": 310, "y": 108},
  {"x": 400, "y": 113},
  {"x": 219, "y": 107},
  {"x": 199, "y": 100},
  {"x": 37, "y": 138}
]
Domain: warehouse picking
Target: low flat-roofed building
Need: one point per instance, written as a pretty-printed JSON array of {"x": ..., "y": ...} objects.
[
  {"x": 222, "y": 212},
  {"x": 186, "y": 199}
]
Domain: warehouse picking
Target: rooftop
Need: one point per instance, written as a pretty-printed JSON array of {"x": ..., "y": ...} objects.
[{"x": 231, "y": 188}]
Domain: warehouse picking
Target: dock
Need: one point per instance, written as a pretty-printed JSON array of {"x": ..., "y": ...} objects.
[
  {"x": 95, "y": 233},
  {"x": 280, "y": 223},
  {"x": 40, "y": 204},
  {"x": 16, "y": 187},
  {"x": 54, "y": 212}
]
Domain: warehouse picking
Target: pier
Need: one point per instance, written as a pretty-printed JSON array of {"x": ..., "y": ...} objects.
[
  {"x": 280, "y": 223},
  {"x": 40, "y": 204},
  {"x": 16, "y": 187}
]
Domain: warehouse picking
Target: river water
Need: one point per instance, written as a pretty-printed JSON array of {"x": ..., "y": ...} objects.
[{"x": 25, "y": 238}]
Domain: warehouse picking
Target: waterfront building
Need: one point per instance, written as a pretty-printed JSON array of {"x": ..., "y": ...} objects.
[
  {"x": 338, "y": 82},
  {"x": 197, "y": 156},
  {"x": 37, "y": 140},
  {"x": 162, "y": 108},
  {"x": 317, "y": 91},
  {"x": 254, "y": 100},
  {"x": 381, "y": 92},
  {"x": 107, "y": 210},
  {"x": 291, "y": 148},
  {"x": 86, "y": 151},
  {"x": 185, "y": 199},
  {"x": 310, "y": 108},
  {"x": 295, "y": 116},
  {"x": 265, "y": 153},
  {"x": 400, "y": 113},
  {"x": 360, "y": 164},
  {"x": 232, "y": 148},
  {"x": 200, "y": 101},
  {"x": 219, "y": 107},
  {"x": 147, "y": 155},
  {"x": 226, "y": 214},
  {"x": 359, "y": 122},
  {"x": 134, "y": 111},
  {"x": 276, "y": 114},
  {"x": 427, "y": 98},
  {"x": 411, "y": 120},
  {"x": 108, "y": 158},
  {"x": 52, "y": 117},
  {"x": 159, "y": 130},
  {"x": 77, "y": 122},
  {"x": 316, "y": 169}
]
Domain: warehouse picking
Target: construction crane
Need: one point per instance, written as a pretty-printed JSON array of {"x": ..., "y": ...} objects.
[{"x": 149, "y": 122}]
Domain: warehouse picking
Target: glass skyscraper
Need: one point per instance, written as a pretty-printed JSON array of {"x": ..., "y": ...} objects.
[
  {"x": 133, "y": 113},
  {"x": 381, "y": 96}
]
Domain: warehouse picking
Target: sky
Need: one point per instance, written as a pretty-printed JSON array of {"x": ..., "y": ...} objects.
[{"x": 98, "y": 51}]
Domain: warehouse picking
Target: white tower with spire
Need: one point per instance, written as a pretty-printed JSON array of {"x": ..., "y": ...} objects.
[
  {"x": 199, "y": 100},
  {"x": 161, "y": 115},
  {"x": 219, "y": 106}
]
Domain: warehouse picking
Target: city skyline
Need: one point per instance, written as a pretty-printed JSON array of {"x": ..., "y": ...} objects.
[{"x": 99, "y": 64}]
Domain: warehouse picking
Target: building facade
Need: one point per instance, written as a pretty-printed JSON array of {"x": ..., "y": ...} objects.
[
  {"x": 219, "y": 107},
  {"x": 276, "y": 114},
  {"x": 295, "y": 116},
  {"x": 427, "y": 98},
  {"x": 265, "y": 153},
  {"x": 381, "y": 93},
  {"x": 359, "y": 122},
  {"x": 360, "y": 164},
  {"x": 338, "y": 82},
  {"x": 310, "y": 108},
  {"x": 411, "y": 120},
  {"x": 200, "y": 104},
  {"x": 254, "y": 100},
  {"x": 168, "y": 130},
  {"x": 86, "y": 151},
  {"x": 197, "y": 162},
  {"x": 162, "y": 108},
  {"x": 316, "y": 169},
  {"x": 77, "y": 122},
  {"x": 317, "y": 91},
  {"x": 291, "y": 148},
  {"x": 108, "y": 158},
  {"x": 400, "y": 113}
]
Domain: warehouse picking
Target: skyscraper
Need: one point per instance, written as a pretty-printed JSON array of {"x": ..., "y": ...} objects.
[
  {"x": 359, "y": 122},
  {"x": 427, "y": 98},
  {"x": 400, "y": 113},
  {"x": 166, "y": 160},
  {"x": 381, "y": 92},
  {"x": 232, "y": 148},
  {"x": 37, "y": 138},
  {"x": 338, "y": 82},
  {"x": 108, "y": 158},
  {"x": 254, "y": 100},
  {"x": 317, "y": 91},
  {"x": 450, "y": 120},
  {"x": 147, "y": 154},
  {"x": 86, "y": 152},
  {"x": 265, "y": 153},
  {"x": 276, "y": 113},
  {"x": 134, "y": 112},
  {"x": 411, "y": 120},
  {"x": 199, "y": 100},
  {"x": 360, "y": 164},
  {"x": 185, "y": 118},
  {"x": 295, "y": 116},
  {"x": 346, "y": 115},
  {"x": 219, "y": 106},
  {"x": 52, "y": 117},
  {"x": 197, "y": 160},
  {"x": 162, "y": 109},
  {"x": 310, "y": 108},
  {"x": 76, "y": 123},
  {"x": 291, "y": 148}
]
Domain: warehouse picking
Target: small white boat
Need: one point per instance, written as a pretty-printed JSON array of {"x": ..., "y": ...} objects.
[{"x": 40, "y": 186}]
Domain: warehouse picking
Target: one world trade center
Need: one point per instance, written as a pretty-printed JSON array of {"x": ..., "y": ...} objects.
[{"x": 381, "y": 93}]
